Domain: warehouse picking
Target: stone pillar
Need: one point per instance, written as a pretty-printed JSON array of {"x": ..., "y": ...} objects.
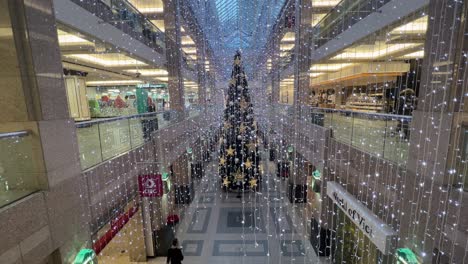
[
  {"x": 34, "y": 99},
  {"x": 183, "y": 189},
  {"x": 434, "y": 212},
  {"x": 201, "y": 73},
  {"x": 275, "y": 69},
  {"x": 174, "y": 55}
]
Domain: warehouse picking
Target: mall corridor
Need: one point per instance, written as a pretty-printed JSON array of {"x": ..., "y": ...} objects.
[
  {"x": 258, "y": 227},
  {"x": 253, "y": 131}
]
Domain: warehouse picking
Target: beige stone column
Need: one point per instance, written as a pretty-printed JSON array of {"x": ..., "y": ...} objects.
[
  {"x": 174, "y": 55},
  {"x": 433, "y": 187},
  {"x": 34, "y": 99}
]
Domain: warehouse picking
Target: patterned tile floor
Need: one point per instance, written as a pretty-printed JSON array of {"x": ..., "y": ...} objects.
[{"x": 257, "y": 228}]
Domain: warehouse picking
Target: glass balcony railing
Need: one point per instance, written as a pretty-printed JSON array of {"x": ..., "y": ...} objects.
[
  {"x": 18, "y": 167},
  {"x": 382, "y": 135},
  {"x": 287, "y": 58},
  {"x": 189, "y": 63},
  {"x": 194, "y": 110},
  {"x": 342, "y": 17},
  {"x": 100, "y": 140},
  {"x": 127, "y": 18}
]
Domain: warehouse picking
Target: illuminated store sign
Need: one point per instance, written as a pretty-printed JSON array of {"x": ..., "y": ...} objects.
[
  {"x": 376, "y": 230},
  {"x": 85, "y": 256},
  {"x": 406, "y": 256}
]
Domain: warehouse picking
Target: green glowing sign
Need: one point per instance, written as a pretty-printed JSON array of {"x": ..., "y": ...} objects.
[
  {"x": 189, "y": 150},
  {"x": 165, "y": 176},
  {"x": 290, "y": 149},
  {"x": 316, "y": 174},
  {"x": 406, "y": 256},
  {"x": 85, "y": 256}
]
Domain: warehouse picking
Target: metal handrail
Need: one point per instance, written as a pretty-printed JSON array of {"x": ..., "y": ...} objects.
[
  {"x": 110, "y": 119},
  {"x": 22, "y": 133},
  {"x": 392, "y": 116},
  {"x": 329, "y": 110}
]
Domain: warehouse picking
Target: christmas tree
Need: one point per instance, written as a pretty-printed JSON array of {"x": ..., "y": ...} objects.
[{"x": 239, "y": 158}]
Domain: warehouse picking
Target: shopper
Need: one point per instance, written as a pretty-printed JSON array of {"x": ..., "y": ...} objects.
[{"x": 174, "y": 254}]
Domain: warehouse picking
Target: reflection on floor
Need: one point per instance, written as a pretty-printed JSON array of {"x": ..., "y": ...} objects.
[{"x": 257, "y": 228}]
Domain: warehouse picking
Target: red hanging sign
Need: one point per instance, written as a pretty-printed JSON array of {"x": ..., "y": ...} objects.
[{"x": 150, "y": 185}]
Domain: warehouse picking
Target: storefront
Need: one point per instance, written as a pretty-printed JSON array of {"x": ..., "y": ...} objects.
[{"x": 359, "y": 236}]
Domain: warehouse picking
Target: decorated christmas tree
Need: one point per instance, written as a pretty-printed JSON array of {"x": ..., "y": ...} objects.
[{"x": 239, "y": 157}]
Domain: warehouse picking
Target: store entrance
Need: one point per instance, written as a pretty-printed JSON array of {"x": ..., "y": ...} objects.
[{"x": 352, "y": 246}]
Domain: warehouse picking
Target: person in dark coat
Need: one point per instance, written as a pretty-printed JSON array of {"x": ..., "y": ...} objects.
[{"x": 174, "y": 254}]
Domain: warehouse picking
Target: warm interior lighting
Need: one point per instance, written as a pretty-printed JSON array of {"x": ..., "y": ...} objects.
[
  {"x": 316, "y": 18},
  {"x": 418, "y": 26},
  {"x": 107, "y": 60},
  {"x": 186, "y": 40},
  {"x": 190, "y": 50},
  {"x": 113, "y": 82},
  {"x": 159, "y": 24},
  {"x": 415, "y": 55},
  {"x": 324, "y": 3},
  {"x": 288, "y": 37},
  {"x": 286, "y": 47},
  {"x": 373, "y": 51},
  {"x": 67, "y": 39},
  {"x": 315, "y": 74},
  {"x": 150, "y": 72},
  {"x": 146, "y": 10},
  {"x": 330, "y": 67},
  {"x": 162, "y": 79},
  {"x": 151, "y": 6}
]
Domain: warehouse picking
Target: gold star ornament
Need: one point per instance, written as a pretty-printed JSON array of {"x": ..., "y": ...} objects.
[
  {"x": 239, "y": 175},
  {"x": 251, "y": 146},
  {"x": 244, "y": 104},
  {"x": 230, "y": 151},
  {"x": 222, "y": 161},
  {"x": 253, "y": 182},
  {"x": 248, "y": 164},
  {"x": 226, "y": 181},
  {"x": 242, "y": 129}
]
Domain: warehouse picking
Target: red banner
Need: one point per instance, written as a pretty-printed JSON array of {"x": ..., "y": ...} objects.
[{"x": 150, "y": 185}]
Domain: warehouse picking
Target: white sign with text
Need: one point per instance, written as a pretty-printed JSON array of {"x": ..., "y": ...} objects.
[{"x": 375, "y": 229}]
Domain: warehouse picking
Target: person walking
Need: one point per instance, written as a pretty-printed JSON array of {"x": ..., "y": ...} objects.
[{"x": 174, "y": 254}]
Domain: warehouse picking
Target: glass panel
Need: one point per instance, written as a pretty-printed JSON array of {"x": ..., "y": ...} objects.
[
  {"x": 17, "y": 181},
  {"x": 136, "y": 130},
  {"x": 89, "y": 145},
  {"x": 101, "y": 140},
  {"x": 115, "y": 138},
  {"x": 21, "y": 162}
]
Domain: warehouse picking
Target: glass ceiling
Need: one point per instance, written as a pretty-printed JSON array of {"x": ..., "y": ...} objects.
[{"x": 243, "y": 23}]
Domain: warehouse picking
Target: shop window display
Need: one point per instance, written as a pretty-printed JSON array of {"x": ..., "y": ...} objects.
[{"x": 126, "y": 100}]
